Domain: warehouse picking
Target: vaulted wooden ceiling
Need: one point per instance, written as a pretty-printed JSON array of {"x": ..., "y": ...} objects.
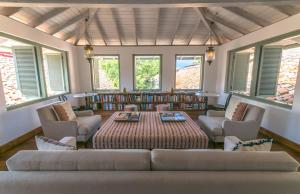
[{"x": 144, "y": 24}]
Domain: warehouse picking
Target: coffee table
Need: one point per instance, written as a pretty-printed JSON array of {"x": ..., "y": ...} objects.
[{"x": 150, "y": 133}]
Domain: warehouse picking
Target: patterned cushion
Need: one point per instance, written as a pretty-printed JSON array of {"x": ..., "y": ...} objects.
[
  {"x": 44, "y": 143},
  {"x": 254, "y": 145},
  {"x": 64, "y": 111},
  {"x": 240, "y": 112},
  {"x": 231, "y": 107}
]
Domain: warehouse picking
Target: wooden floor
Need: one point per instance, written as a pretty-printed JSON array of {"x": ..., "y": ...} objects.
[{"x": 30, "y": 144}]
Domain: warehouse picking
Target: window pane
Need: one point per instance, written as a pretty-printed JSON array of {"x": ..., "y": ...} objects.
[
  {"x": 242, "y": 71},
  {"x": 106, "y": 73},
  {"x": 54, "y": 72},
  {"x": 189, "y": 72},
  {"x": 19, "y": 71},
  {"x": 279, "y": 68},
  {"x": 147, "y": 72}
]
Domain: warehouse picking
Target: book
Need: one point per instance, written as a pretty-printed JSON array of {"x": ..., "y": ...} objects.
[
  {"x": 172, "y": 117},
  {"x": 128, "y": 117}
]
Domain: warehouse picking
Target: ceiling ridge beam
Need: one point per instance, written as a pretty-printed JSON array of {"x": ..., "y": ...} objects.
[
  {"x": 69, "y": 23},
  {"x": 118, "y": 25},
  {"x": 136, "y": 3},
  {"x": 200, "y": 12},
  {"x": 44, "y": 18},
  {"x": 177, "y": 24},
  {"x": 248, "y": 16}
]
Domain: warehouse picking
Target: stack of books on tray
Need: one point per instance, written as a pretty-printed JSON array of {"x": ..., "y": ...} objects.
[{"x": 128, "y": 117}]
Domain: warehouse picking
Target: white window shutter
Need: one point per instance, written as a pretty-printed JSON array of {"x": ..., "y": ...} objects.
[
  {"x": 26, "y": 70},
  {"x": 241, "y": 69},
  {"x": 270, "y": 66},
  {"x": 55, "y": 71}
]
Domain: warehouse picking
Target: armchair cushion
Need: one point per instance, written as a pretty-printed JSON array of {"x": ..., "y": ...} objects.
[
  {"x": 84, "y": 113},
  {"x": 88, "y": 124},
  {"x": 214, "y": 113},
  {"x": 212, "y": 124}
]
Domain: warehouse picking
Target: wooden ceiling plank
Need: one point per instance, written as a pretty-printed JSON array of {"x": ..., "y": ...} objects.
[
  {"x": 286, "y": 10},
  {"x": 69, "y": 23},
  {"x": 40, "y": 20},
  {"x": 136, "y": 32},
  {"x": 177, "y": 24},
  {"x": 117, "y": 25},
  {"x": 248, "y": 16},
  {"x": 196, "y": 26},
  {"x": 9, "y": 11},
  {"x": 157, "y": 26},
  {"x": 101, "y": 30}
]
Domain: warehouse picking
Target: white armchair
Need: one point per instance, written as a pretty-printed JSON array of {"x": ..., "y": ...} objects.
[{"x": 217, "y": 126}]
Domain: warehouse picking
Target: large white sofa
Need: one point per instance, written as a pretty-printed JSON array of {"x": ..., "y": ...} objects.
[{"x": 150, "y": 172}]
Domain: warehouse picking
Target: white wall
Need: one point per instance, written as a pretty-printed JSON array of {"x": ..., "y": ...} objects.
[
  {"x": 126, "y": 65},
  {"x": 282, "y": 121},
  {"x": 17, "y": 122}
]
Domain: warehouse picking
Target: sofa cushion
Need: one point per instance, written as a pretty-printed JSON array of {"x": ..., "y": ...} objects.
[
  {"x": 213, "y": 124},
  {"x": 88, "y": 124},
  {"x": 84, "y": 160},
  {"x": 199, "y": 160},
  {"x": 64, "y": 111}
]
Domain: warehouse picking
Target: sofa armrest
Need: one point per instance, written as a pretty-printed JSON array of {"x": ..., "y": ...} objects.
[
  {"x": 60, "y": 129},
  {"x": 230, "y": 142},
  {"x": 214, "y": 113},
  {"x": 84, "y": 113},
  {"x": 244, "y": 130}
]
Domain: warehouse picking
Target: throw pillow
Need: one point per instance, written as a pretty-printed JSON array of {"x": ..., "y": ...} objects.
[
  {"x": 64, "y": 111},
  {"x": 231, "y": 107},
  {"x": 44, "y": 144},
  {"x": 254, "y": 145},
  {"x": 240, "y": 112}
]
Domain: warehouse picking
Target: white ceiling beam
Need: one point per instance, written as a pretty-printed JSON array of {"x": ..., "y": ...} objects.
[
  {"x": 196, "y": 26},
  {"x": 200, "y": 12},
  {"x": 44, "y": 18},
  {"x": 117, "y": 25},
  {"x": 141, "y": 3},
  {"x": 9, "y": 11},
  {"x": 101, "y": 30},
  {"x": 136, "y": 32},
  {"x": 225, "y": 24},
  {"x": 177, "y": 24},
  {"x": 156, "y": 30},
  {"x": 83, "y": 25},
  {"x": 248, "y": 16},
  {"x": 287, "y": 10},
  {"x": 68, "y": 23}
]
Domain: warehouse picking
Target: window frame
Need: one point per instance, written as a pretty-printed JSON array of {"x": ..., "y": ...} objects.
[
  {"x": 201, "y": 76},
  {"x": 92, "y": 73},
  {"x": 256, "y": 69},
  {"x": 41, "y": 73},
  {"x": 160, "y": 72}
]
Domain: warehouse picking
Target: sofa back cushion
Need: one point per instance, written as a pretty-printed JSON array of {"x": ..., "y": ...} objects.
[
  {"x": 82, "y": 160},
  {"x": 205, "y": 160}
]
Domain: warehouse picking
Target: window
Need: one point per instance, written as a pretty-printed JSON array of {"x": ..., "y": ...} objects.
[
  {"x": 267, "y": 71},
  {"x": 189, "y": 71},
  {"x": 55, "y": 72},
  {"x": 106, "y": 73},
  {"x": 147, "y": 72},
  {"x": 242, "y": 67},
  {"x": 278, "y": 70},
  {"x": 22, "y": 73}
]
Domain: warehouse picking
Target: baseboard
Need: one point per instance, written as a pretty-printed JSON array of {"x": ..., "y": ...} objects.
[
  {"x": 20, "y": 140},
  {"x": 292, "y": 145}
]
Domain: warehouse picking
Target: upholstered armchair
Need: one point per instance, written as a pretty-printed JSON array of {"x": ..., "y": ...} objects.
[
  {"x": 217, "y": 124},
  {"x": 83, "y": 127}
]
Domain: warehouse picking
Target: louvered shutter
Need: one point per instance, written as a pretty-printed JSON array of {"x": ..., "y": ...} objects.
[
  {"x": 55, "y": 72},
  {"x": 241, "y": 69},
  {"x": 96, "y": 78},
  {"x": 26, "y": 70},
  {"x": 270, "y": 66}
]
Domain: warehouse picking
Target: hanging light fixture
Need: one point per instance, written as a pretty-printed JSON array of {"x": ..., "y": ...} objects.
[
  {"x": 88, "y": 49},
  {"x": 210, "y": 53}
]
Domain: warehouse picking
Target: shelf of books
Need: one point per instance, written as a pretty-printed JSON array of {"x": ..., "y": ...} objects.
[{"x": 147, "y": 101}]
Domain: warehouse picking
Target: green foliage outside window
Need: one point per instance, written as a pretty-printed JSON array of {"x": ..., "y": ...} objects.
[
  {"x": 111, "y": 69},
  {"x": 147, "y": 72}
]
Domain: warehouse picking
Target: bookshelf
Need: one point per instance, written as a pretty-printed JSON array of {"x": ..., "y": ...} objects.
[{"x": 147, "y": 101}]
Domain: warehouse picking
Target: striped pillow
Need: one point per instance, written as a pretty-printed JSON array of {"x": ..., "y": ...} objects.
[
  {"x": 240, "y": 112},
  {"x": 45, "y": 143},
  {"x": 64, "y": 111}
]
